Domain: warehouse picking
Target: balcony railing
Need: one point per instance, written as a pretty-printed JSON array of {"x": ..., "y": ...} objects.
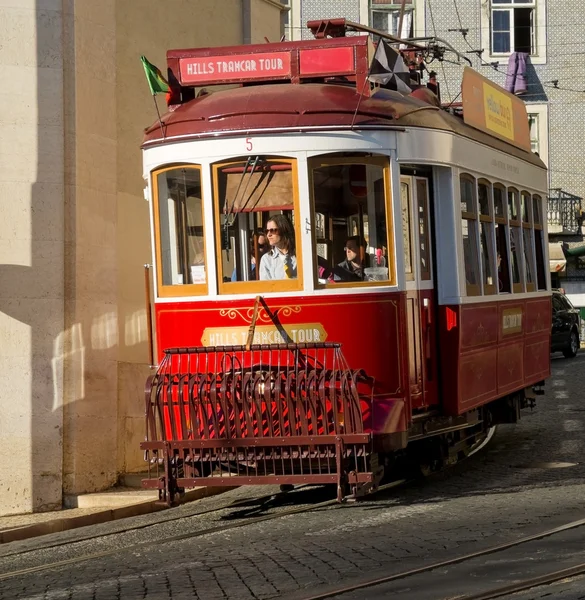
[{"x": 564, "y": 214}]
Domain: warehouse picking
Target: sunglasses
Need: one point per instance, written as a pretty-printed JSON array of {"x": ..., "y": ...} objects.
[{"x": 271, "y": 231}]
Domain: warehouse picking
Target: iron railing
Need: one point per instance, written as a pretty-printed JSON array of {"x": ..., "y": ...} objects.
[
  {"x": 564, "y": 212},
  {"x": 233, "y": 415}
]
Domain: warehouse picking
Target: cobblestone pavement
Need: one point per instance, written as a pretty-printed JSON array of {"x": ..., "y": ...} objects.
[{"x": 529, "y": 478}]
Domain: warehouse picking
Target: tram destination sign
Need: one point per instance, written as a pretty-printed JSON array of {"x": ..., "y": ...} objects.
[{"x": 211, "y": 69}]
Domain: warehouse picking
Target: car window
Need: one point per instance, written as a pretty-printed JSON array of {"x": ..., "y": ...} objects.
[
  {"x": 556, "y": 303},
  {"x": 566, "y": 303}
]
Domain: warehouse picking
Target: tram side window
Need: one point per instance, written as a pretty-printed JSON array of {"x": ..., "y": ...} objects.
[
  {"x": 529, "y": 268},
  {"x": 515, "y": 239},
  {"x": 350, "y": 213},
  {"x": 405, "y": 200},
  {"x": 539, "y": 242},
  {"x": 502, "y": 259},
  {"x": 470, "y": 237},
  {"x": 422, "y": 195},
  {"x": 179, "y": 227},
  {"x": 258, "y": 232},
  {"x": 486, "y": 238}
]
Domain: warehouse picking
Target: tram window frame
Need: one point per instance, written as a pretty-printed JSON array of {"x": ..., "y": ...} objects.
[
  {"x": 170, "y": 290},
  {"x": 228, "y": 287},
  {"x": 515, "y": 238},
  {"x": 407, "y": 231},
  {"x": 331, "y": 160},
  {"x": 486, "y": 237},
  {"x": 423, "y": 225},
  {"x": 471, "y": 258},
  {"x": 537, "y": 210},
  {"x": 528, "y": 241},
  {"x": 502, "y": 238}
]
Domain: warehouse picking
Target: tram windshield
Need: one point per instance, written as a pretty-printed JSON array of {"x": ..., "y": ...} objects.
[
  {"x": 255, "y": 203},
  {"x": 180, "y": 244},
  {"x": 350, "y": 216}
]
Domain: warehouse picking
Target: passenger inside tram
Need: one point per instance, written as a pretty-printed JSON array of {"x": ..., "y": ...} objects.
[
  {"x": 352, "y": 268},
  {"x": 258, "y": 247},
  {"x": 280, "y": 262}
]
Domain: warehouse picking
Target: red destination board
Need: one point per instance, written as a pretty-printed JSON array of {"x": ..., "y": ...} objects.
[
  {"x": 327, "y": 60},
  {"x": 234, "y": 67}
]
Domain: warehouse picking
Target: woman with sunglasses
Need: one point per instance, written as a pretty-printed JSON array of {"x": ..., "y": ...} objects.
[{"x": 281, "y": 261}]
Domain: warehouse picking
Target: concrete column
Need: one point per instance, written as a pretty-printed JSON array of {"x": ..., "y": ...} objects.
[
  {"x": 90, "y": 338},
  {"x": 31, "y": 255}
]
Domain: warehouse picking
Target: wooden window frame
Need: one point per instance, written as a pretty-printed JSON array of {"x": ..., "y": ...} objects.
[
  {"x": 178, "y": 290},
  {"x": 426, "y": 274},
  {"x": 472, "y": 289},
  {"x": 538, "y": 231},
  {"x": 528, "y": 226},
  {"x": 257, "y": 285},
  {"x": 503, "y": 220},
  {"x": 489, "y": 289},
  {"x": 380, "y": 160},
  {"x": 517, "y": 288},
  {"x": 407, "y": 181}
]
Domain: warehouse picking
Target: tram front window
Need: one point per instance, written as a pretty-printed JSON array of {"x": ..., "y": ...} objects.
[
  {"x": 256, "y": 204},
  {"x": 350, "y": 216},
  {"x": 179, "y": 230}
]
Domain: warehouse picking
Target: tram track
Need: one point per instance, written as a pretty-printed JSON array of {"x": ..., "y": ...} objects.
[
  {"x": 496, "y": 592},
  {"x": 232, "y": 505},
  {"x": 527, "y": 584},
  {"x": 175, "y": 538}
]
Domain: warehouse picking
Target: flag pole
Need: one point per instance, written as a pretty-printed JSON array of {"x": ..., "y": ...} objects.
[
  {"x": 162, "y": 130},
  {"x": 366, "y": 80},
  {"x": 360, "y": 99},
  {"x": 157, "y": 84}
]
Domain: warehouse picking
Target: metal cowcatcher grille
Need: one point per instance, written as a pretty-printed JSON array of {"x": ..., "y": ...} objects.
[{"x": 234, "y": 415}]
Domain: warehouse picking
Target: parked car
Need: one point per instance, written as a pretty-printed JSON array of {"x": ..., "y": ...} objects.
[{"x": 566, "y": 324}]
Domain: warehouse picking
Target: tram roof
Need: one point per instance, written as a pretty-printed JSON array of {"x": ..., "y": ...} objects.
[{"x": 286, "y": 107}]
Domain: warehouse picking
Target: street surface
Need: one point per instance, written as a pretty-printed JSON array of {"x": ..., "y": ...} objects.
[{"x": 529, "y": 478}]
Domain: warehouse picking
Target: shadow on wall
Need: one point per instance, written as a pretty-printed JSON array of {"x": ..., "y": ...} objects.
[{"x": 31, "y": 294}]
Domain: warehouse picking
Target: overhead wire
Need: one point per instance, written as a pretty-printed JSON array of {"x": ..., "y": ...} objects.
[
  {"x": 464, "y": 31},
  {"x": 442, "y": 64}
]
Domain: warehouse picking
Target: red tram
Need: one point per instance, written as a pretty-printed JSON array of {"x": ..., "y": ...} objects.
[{"x": 344, "y": 274}]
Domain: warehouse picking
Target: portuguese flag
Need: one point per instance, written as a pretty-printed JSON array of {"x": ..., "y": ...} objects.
[{"x": 156, "y": 82}]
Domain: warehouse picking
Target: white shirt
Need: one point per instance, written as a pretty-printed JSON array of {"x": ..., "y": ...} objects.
[{"x": 272, "y": 265}]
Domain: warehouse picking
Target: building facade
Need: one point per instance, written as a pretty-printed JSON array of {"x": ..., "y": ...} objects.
[
  {"x": 488, "y": 32},
  {"x": 75, "y": 234}
]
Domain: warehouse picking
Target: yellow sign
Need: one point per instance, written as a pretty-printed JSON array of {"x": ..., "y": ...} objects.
[
  {"x": 490, "y": 108},
  {"x": 498, "y": 112},
  {"x": 512, "y": 320},
  {"x": 263, "y": 334}
]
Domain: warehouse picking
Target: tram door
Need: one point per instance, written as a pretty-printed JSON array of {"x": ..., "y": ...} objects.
[{"x": 420, "y": 293}]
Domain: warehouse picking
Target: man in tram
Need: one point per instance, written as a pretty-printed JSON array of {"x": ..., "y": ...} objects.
[
  {"x": 281, "y": 261},
  {"x": 352, "y": 268}
]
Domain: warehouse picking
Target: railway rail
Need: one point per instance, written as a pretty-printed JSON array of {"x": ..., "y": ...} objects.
[
  {"x": 174, "y": 538},
  {"x": 499, "y": 591}
]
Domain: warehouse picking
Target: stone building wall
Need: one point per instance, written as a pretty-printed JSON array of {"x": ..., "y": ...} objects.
[{"x": 75, "y": 234}]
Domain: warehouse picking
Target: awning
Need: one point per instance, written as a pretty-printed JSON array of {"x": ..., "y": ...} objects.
[
  {"x": 576, "y": 251},
  {"x": 557, "y": 260}
]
